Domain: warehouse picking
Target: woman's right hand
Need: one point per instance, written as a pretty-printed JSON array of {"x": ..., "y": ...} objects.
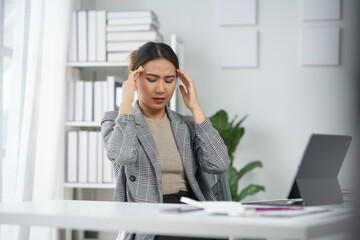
[{"x": 128, "y": 89}]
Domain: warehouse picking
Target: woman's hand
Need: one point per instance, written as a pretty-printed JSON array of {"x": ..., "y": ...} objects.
[
  {"x": 128, "y": 89},
  {"x": 190, "y": 96}
]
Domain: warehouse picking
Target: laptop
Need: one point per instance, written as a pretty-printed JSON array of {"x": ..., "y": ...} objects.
[{"x": 315, "y": 182}]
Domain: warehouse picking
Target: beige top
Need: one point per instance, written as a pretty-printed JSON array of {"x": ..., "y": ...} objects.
[{"x": 173, "y": 175}]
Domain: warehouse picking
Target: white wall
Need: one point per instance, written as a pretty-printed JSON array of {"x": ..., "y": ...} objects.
[{"x": 286, "y": 102}]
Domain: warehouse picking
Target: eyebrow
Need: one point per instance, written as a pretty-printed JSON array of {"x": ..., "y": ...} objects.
[{"x": 154, "y": 75}]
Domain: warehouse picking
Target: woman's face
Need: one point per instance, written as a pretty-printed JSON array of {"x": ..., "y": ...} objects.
[{"x": 156, "y": 84}]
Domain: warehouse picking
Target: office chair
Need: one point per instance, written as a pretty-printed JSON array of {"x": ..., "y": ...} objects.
[{"x": 220, "y": 186}]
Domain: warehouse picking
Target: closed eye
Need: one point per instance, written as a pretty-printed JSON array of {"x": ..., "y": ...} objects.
[
  {"x": 169, "y": 79},
  {"x": 151, "y": 80}
]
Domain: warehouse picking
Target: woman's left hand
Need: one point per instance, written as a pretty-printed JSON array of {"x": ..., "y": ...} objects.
[{"x": 190, "y": 96}]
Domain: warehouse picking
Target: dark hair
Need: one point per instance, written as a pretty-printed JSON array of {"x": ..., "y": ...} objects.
[{"x": 150, "y": 51}]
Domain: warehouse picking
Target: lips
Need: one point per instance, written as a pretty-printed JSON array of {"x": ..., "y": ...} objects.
[{"x": 159, "y": 100}]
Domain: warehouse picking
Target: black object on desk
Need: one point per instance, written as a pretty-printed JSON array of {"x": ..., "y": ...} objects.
[{"x": 316, "y": 180}]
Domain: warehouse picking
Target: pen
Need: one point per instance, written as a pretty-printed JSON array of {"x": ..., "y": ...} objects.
[{"x": 274, "y": 209}]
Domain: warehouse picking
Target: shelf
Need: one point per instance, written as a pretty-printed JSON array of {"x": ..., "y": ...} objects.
[
  {"x": 83, "y": 124},
  {"x": 90, "y": 185},
  {"x": 97, "y": 65}
]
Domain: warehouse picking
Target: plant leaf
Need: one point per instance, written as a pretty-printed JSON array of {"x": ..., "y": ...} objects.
[
  {"x": 249, "y": 190},
  {"x": 249, "y": 167},
  {"x": 231, "y": 135},
  {"x": 240, "y": 122},
  {"x": 231, "y": 138},
  {"x": 233, "y": 181},
  {"x": 219, "y": 120}
]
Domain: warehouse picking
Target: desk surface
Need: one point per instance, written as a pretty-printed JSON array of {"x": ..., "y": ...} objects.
[{"x": 146, "y": 217}]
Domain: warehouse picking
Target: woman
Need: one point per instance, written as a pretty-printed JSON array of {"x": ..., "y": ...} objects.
[{"x": 159, "y": 155}]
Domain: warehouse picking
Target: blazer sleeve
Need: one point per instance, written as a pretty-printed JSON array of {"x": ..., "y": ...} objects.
[
  {"x": 210, "y": 149},
  {"x": 118, "y": 133}
]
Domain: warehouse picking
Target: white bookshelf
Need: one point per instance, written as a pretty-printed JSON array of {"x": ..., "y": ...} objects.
[
  {"x": 71, "y": 124},
  {"x": 97, "y": 65},
  {"x": 90, "y": 185}
]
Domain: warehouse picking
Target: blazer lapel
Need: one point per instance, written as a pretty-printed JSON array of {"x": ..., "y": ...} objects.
[
  {"x": 147, "y": 141},
  {"x": 182, "y": 138}
]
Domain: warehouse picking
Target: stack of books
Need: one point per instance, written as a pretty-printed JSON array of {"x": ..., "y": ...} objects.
[
  {"x": 88, "y": 37},
  {"x": 86, "y": 158},
  {"x": 88, "y": 100},
  {"x": 128, "y": 30},
  {"x": 99, "y": 36}
]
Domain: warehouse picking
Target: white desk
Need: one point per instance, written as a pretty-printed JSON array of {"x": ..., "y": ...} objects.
[{"x": 146, "y": 217}]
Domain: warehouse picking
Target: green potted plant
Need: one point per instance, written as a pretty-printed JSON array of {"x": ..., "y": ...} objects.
[{"x": 231, "y": 133}]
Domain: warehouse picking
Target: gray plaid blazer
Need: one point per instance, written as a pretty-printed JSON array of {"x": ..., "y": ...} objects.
[{"x": 132, "y": 150}]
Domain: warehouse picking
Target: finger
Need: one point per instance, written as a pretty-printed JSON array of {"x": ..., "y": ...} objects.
[
  {"x": 183, "y": 78},
  {"x": 134, "y": 75},
  {"x": 187, "y": 76},
  {"x": 140, "y": 69},
  {"x": 184, "y": 73},
  {"x": 182, "y": 90},
  {"x": 186, "y": 79}
]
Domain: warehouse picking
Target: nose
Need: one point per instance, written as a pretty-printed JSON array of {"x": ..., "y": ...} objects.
[{"x": 160, "y": 87}]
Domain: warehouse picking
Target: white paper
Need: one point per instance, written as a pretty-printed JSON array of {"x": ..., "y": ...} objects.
[
  {"x": 321, "y": 10},
  {"x": 236, "y": 209},
  {"x": 237, "y": 12},
  {"x": 239, "y": 48},
  {"x": 218, "y": 207},
  {"x": 320, "y": 46}
]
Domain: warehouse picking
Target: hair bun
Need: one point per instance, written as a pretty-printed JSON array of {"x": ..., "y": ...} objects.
[{"x": 131, "y": 60}]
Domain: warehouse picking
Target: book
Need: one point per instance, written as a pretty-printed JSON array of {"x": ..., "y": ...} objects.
[
  {"x": 98, "y": 101},
  {"x": 105, "y": 104},
  {"x": 131, "y": 27},
  {"x": 91, "y": 36},
  {"x": 118, "y": 56},
  {"x": 112, "y": 83},
  {"x": 71, "y": 101},
  {"x": 83, "y": 157},
  {"x": 72, "y": 53},
  {"x": 71, "y": 156},
  {"x": 131, "y": 14},
  {"x": 128, "y": 21},
  {"x": 92, "y": 153},
  {"x": 101, "y": 36},
  {"x": 79, "y": 100},
  {"x": 99, "y": 157},
  {"x": 134, "y": 36},
  {"x": 88, "y": 101},
  {"x": 82, "y": 43},
  {"x": 124, "y": 46}
]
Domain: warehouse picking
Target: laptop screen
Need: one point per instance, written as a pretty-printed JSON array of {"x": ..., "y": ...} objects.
[{"x": 316, "y": 179}]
